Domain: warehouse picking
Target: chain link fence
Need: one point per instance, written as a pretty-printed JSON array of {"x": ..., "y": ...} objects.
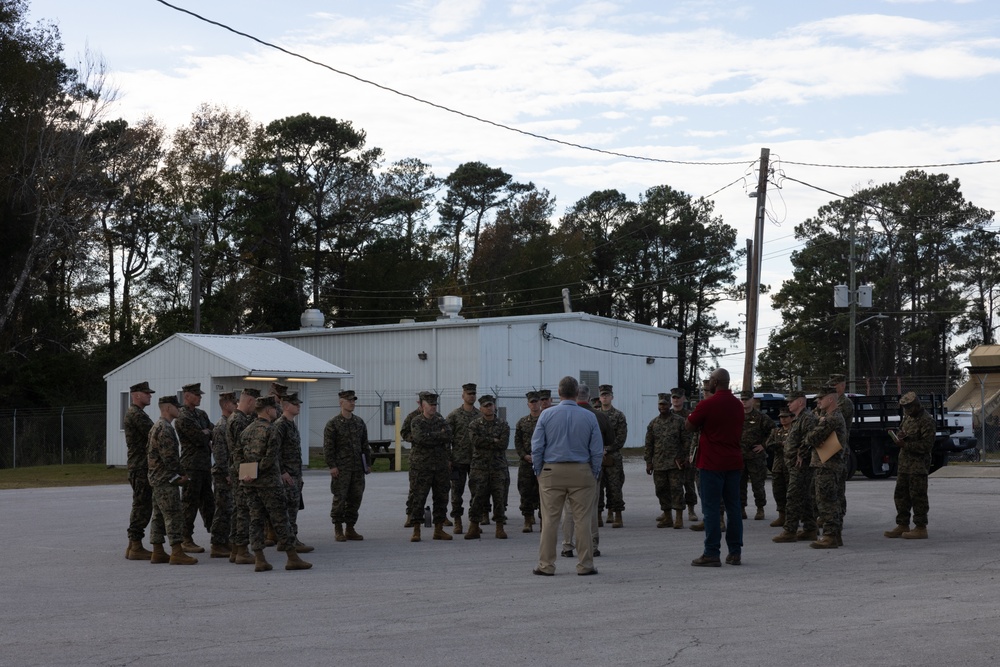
[{"x": 52, "y": 436}]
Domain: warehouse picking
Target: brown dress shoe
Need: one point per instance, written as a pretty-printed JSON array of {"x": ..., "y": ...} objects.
[{"x": 706, "y": 561}]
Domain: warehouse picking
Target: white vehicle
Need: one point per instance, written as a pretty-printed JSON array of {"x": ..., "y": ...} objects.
[{"x": 963, "y": 436}]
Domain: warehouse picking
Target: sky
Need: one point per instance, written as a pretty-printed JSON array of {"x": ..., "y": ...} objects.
[{"x": 697, "y": 88}]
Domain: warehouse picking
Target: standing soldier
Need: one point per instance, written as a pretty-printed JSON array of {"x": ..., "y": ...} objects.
[
  {"x": 222, "y": 520},
  {"x": 348, "y": 456},
  {"x": 690, "y": 473},
  {"x": 291, "y": 463},
  {"x": 915, "y": 439},
  {"x": 137, "y": 428},
  {"x": 799, "y": 503},
  {"x": 527, "y": 483},
  {"x": 757, "y": 428},
  {"x": 779, "y": 469},
  {"x": 404, "y": 434},
  {"x": 194, "y": 429},
  {"x": 461, "y": 457},
  {"x": 544, "y": 399},
  {"x": 613, "y": 475},
  {"x": 488, "y": 437},
  {"x": 826, "y": 474},
  {"x": 165, "y": 476},
  {"x": 264, "y": 494},
  {"x": 666, "y": 456},
  {"x": 430, "y": 465},
  {"x": 839, "y": 382},
  {"x": 238, "y": 421}
]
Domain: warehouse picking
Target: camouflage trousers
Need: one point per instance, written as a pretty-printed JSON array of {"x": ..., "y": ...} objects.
[
  {"x": 779, "y": 487},
  {"x": 800, "y": 502},
  {"x": 240, "y": 523},
  {"x": 142, "y": 503},
  {"x": 527, "y": 488},
  {"x": 167, "y": 516},
  {"x": 754, "y": 472},
  {"x": 612, "y": 484},
  {"x": 293, "y": 499},
  {"x": 222, "y": 520},
  {"x": 827, "y": 485},
  {"x": 488, "y": 485},
  {"x": 911, "y": 494},
  {"x": 690, "y": 485},
  {"x": 459, "y": 477},
  {"x": 429, "y": 480},
  {"x": 348, "y": 489},
  {"x": 669, "y": 488},
  {"x": 197, "y": 497},
  {"x": 267, "y": 503}
]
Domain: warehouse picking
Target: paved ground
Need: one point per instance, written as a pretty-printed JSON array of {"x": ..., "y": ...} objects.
[{"x": 70, "y": 598}]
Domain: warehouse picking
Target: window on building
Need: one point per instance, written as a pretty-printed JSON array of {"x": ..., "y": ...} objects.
[
  {"x": 126, "y": 398},
  {"x": 389, "y": 412},
  {"x": 592, "y": 379}
]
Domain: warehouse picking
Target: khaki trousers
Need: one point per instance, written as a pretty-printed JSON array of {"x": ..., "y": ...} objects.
[
  {"x": 560, "y": 484},
  {"x": 568, "y": 542}
]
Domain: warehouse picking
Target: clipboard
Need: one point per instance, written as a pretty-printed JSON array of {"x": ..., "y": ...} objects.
[
  {"x": 829, "y": 447},
  {"x": 248, "y": 470}
]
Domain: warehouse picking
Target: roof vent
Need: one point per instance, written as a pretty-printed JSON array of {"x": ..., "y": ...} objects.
[
  {"x": 450, "y": 307},
  {"x": 312, "y": 318}
]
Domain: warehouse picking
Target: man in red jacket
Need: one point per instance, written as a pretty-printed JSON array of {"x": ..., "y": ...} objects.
[{"x": 720, "y": 463}]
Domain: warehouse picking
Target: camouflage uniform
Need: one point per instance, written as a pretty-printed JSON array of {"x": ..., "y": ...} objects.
[
  {"x": 666, "y": 443},
  {"x": 459, "y": 420},
  {"x": 913, "y": 468},
  {"x": 826, "y": 475},
  {"x": 238, "y": 421},
  {"x": 291, "y": 463},
  {"x": 345, "y": 442},
  {"x": 404, "y": 433},
  {"x": 613, "y": 476},
  {"x": 196, "y": 459},
  {"x": 690, "y": 472},
  {"x": 756, "y": 428},
  {"x": 137, "y": 428},
  {"x": 163, "y": 462},
  {"x": 429, "y": 459},
  {"x": 489, "y": 472},
  {"x": 847, "y": 410},
  {"x": 222, "y": 521},
  {"x": 779, "y": 467},
  {"x": 800, "y": 504},
  {"x": 527, "y": 483},
  {"x": 264, "y": 496}
]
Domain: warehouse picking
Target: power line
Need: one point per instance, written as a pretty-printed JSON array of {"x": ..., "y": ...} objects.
[{"x": 891, "y": 166}]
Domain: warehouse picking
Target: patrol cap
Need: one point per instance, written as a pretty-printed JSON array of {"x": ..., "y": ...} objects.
[
  {"x": 825, "y": 390},
  {"x": 429, "y": 397},
  {"x": 250, "y": 391},
  {"x": 596, "y": 402},
  {"x": 263, "y": 402},
  {"x": 279, "y": 389},
  {"x": 907, "y": 399},
  {"x": 291, "y": 397},
  {"x": 486, "y": 399},
  {"x": 837, "y": 378},
  {"x": 532, "y": 396},
  {"x": 143, "y": 387},
  {"x": 169, "y": 400},
  {"x": 348, "y": 394},
  {"x": 794, "y": 394},
  {"x": 229, "y": 396},
  {"x": 605, "y": 389},
  {"x": 194, "y": 388},
  {"x": 544, "y": 393},
  {"x": 746, "y": 395},
  {"x": 785, "y": 412},
  {"x": 469, "y": 386},
  {"x": 677, "y": 391},
  {"x": 663, "y": 398}
]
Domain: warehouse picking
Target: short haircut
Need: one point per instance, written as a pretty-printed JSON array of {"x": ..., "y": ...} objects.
[
  {"x": 568, "y": 387},
  {"x": 583, "y": 393}
]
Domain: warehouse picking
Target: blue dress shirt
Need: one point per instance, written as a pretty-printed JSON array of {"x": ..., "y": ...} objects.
[{"x": 567, "y": 433}]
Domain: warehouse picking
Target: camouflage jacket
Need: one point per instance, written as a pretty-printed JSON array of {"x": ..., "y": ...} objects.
[
  {"x": 489, "y": 440},
  {"x": 238, "y": 421},
  {"x": 196, "y": 445},
  {"x": 291, "y": 446},
  {"x": 220, "y": 448},
  {"x": 260, "y": 443},
  {"x": 345, "y": 441},
  {"x": 137, "y": 428},
  {"x": 692, "y": 436},
  {"x": 523, "y": 431},
  {"x": 756, "y": 428},
  {"x": 431, "y": 438},
  {"x": 795, "y": 440},
  {"x": 776, "y": 446},
  {"x": 832, "y": 422},
  {"x": 620, "y": 429},
  {"x": 404, "y": 430},
  {"x": 459, "y": 421},
  {"x": 847, "y": 409},
  {"x": 666, "y": 442},
  {"x": 162, "y": 453},
  {"x": 918, "y": 441}
]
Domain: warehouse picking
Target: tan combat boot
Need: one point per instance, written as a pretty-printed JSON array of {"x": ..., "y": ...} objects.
[
  {"x": 611, "y": 517},
  {"x": 270, "y": 539},
  {"x": 244, "y": 557},
  {"x": 178, "y": 557},
  {"x": 828, "y": 541},
  {"x": 918, "y": 533},
  {"x": 439, "y": 533},
  {"x": 301, "y": 548},
  {"x": 698, "y": 526},
  {"x": 780, "y": 521},
  {"x": 294, "y": 562},
  {"x": 136, "y": 551},
  {"x": 679, "y": 519},
  {"x": 785, "y": 536},
  {"x": 219, "y": 551},
  {"x": 158, "y": 555},
  {"x": 662, "y": 517},
  {"x": 474, "y": 531},
  {"x": 897, "y": 531},
  {"x": 665, "y": 522},
  {"x": 416, "y": 532},
  {"x": 501, "y": 534},
  {"x": 352, "y": 534},
  {"x": 409, "y": 522},
  {"x": 691, "y": 515},
  {"x": 232, "y": 553},
  {"x": 190, "y": 547},
  {"x": 338, "y": 532},
  {"x": 458, "y": 525},
  {"x": 448, "y": 522},
  {"x": 260, "y": 563},
  {"x": 618, "y": 520},
  {"x": 806, "y": 535},
  {"x": 759, "y": 515},
  {"x": 528, "y": 522}
]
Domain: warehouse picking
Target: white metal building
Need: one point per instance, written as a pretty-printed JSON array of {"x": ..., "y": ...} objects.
[
  {"x": 220, "y": 364},
  {"x": 505, "y": 356}
]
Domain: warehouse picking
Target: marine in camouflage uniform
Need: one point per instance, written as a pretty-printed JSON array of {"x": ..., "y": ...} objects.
[
  {"x": 826, "y": 474},
  {"x": 666, "y": 455},
  {"x": 165, "y": 474},
  {"x": 839, "y": 382},
  {"x": 799, "y": 503},
  {"x": 194, "y": 429},
  {"x": 779, "y": 467},
  {"x": 348, "y": 456},
  {"x": 238, "y": 421},
  {"x": 488, "y": 436},
  {"x": 137, "y": 428},
  {"x": 757, "y": 428},
  {"x": 527, "y": 483},
  {"x": 690, "y": 472},
  {"x": 291, "y": 463},
  {"x": 916, "y": 440},
  {"x": 613, "y": 476},
  {"x": 404, "y": 434},
  {"x": 430, "y": 463},
  {"x": 222, "y": 521},
  {"x": 459, "y": 420}
]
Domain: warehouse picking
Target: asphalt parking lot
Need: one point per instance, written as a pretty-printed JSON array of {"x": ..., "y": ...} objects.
[{"x": 70, "y": 597}]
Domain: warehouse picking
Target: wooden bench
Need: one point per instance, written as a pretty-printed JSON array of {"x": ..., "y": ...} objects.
[{"x": 384, "y": 449}]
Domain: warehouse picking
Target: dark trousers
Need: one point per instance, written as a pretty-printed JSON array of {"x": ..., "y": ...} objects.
[{"x": 721, "y": 487}]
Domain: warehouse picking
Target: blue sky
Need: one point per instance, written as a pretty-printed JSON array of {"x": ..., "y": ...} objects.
[{"x": 905, "y": 82}]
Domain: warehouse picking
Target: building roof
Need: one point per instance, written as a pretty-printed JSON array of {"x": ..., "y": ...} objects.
[{"x": 255, "y": 355}]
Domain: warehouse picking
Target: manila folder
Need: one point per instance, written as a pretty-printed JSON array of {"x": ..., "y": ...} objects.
[
  {"x": 829, "y": 447},
  {"x": 248, "y": 470}
]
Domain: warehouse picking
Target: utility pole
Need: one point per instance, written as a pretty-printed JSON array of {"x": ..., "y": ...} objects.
[
  {"x": 754, "y": 262},
  {"x": 194, "y": 221},
  {"x": 851, "y": 342}
]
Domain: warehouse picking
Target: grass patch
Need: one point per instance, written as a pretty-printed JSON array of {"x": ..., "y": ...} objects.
[{"x": 83, "y": 474}]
